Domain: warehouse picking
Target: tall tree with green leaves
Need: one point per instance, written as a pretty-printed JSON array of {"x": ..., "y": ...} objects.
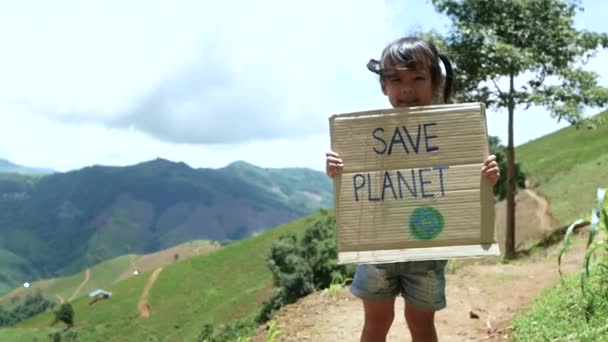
[{"x": 495, "y": 40}]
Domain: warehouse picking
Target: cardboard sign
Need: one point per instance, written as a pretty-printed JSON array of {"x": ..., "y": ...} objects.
[{"x": 412, "y": 187}]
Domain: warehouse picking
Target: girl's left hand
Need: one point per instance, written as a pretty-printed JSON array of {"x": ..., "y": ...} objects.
[{"x": 490, "y": 169}]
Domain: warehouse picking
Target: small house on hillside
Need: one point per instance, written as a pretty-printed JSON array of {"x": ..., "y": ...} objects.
[
  {"x": 98, "y": 295},
  {"x": 101, "y": 293}
]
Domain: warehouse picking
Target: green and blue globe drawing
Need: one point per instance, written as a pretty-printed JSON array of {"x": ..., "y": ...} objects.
[{"x": 426, "y": 223}]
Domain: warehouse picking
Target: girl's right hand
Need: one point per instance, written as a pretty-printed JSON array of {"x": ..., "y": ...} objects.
[{"x": 333, "y": 164}]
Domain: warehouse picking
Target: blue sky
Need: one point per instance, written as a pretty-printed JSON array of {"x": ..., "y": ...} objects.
[{"x": 119, "y": 82}]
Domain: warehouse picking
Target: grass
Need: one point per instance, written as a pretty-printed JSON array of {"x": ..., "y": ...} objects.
[
  {"x": 103, "y": 275},
  {"x": 553, "y": 153},
  {"x": 567, "y": 166},
  {"x": 216, "y": 288},
  {"x": 562, "y": 313}
]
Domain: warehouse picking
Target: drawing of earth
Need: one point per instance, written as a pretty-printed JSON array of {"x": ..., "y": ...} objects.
[{"x": 426, "y": 223}]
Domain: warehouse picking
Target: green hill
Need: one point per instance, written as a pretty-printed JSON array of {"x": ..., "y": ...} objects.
[
  {"x": 108, "y": 272},
  {"x": 61, "y": 223},
  {"x": 566, "y": 167},
  {"x": 216, "y": 288}
]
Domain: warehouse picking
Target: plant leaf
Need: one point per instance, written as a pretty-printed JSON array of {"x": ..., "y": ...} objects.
[
  {"x": 592, "y": 251},
  {"x": 605, "y": 220},
  {"x": 588, "y": 255},
  {"x": 566, "y": 243},
  {"x": 601, "y": 195},
  {"x": 595, "y": 222}
]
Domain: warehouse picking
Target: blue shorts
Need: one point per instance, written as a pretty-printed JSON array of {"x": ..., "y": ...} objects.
[{"x": 421, "y": 283}]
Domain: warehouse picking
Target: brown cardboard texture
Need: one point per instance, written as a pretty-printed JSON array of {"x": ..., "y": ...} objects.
[{"x": 412, "y": 187}]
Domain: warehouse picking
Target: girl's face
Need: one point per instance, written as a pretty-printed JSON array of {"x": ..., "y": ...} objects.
[{"x": 408, "y": 87}]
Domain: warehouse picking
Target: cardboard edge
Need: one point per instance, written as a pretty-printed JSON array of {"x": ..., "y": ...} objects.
[
  {"x": 418, "y": 254},
  {"x": 430, "y": 109}
]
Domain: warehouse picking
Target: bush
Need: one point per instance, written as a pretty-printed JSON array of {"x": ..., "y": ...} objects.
[
  {"x": 29, "y": 307},
  {"x": 303, "y": 266},
  {"x": 65, "y": 314}
]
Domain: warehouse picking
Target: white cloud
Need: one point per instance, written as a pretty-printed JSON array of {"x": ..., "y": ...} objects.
[
  {"x": 191, "y": 71},
  {"x": 68, "y": 146}
]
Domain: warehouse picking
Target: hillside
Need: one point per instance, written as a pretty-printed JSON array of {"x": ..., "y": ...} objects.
[
  {"x": 61, "y": 223},
  {"x": 567, "y": 166},
  {"x": 108, "y": 272},
  {"x": 216, "y": 288},
  {"x": 9, "y": 167}
]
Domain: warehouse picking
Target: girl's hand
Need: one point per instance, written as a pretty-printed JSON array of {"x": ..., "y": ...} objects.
[
  {"x": 490, "y": 169},
  {"x": 333, "y": 164}
]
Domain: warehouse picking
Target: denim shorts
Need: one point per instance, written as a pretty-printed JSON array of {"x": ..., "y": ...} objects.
[{"x": 421, "y": 283}]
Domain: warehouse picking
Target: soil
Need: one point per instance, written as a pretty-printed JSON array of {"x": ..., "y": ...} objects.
[{"x": 143, "y": 307}]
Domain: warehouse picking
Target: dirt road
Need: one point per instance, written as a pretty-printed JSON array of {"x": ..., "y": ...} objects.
[
  {"x": 87, "y": 276},
  {"x": 143, "y": 307}
]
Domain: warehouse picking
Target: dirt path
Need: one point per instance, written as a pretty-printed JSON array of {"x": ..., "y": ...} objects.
[
  {"x": 61, "y": 300},
  {"x": 87, "y": 276},
  {"x": 493, "y": 294},
  {"x": 542, "y": 212},
  {"x": 143, "y": 307}
]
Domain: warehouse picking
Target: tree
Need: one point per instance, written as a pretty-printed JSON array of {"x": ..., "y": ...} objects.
[
  {"x": 318, "y": 247},
  {"x": 65, "y": 314},
  {"x": 291, "y": 272},
  {"x": 493, "y": 40}
]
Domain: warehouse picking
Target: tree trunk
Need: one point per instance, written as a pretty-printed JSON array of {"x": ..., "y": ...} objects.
[{"x": 510, "y": 231}]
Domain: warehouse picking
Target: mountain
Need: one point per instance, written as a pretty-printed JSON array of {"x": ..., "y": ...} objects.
[
  {"x": 61, "y": 223},
  {"x": 9, "y": 167}
]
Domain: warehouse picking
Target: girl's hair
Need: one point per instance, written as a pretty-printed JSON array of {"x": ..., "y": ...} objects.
[{"x": 413, "y": 52}]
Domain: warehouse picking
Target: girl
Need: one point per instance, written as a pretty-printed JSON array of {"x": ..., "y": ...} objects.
[{"x": 410, "y": 75}]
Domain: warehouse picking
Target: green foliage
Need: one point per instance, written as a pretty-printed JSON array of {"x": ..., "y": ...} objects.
[
  {"x": 30, "y": 306},
  {"x": 598, "y": 221},
  {"x": 236, "y": 331},
  {"x": 65, "y": 314},
  {"x": 500, "y": 188},
  {"x": 300, "y": 267},
  {"x": 64, "y": 222},
  {"x": 320, "y": 250},
  {"x": 494, "y": 39},
  {"x": 291, "y": 271},
  {"x": 273, "y": 331},
  {"x": 564, "y": 313},
  {"x": 64, "y": 336}
]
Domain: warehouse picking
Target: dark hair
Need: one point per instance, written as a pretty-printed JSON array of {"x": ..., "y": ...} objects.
[{"x": 413, "y": 52}]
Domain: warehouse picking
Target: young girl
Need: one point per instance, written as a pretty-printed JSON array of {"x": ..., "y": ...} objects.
[{"x": 410, "y": 75}]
